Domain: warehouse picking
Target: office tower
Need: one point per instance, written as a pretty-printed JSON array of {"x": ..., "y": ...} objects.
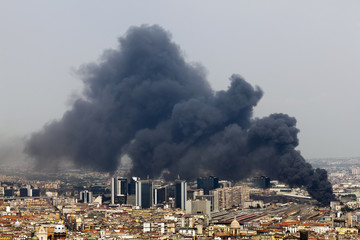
[
  {"x": 82, "y": 196},
  {"x": 86, "y": 196},
  {"x": 23, "y": 192},
  {"x": 9, "y": 192},
  {"x": 36, "y": 192},
  {"x": 262, "y": 182},
  {"x": 131, "y": 185},
  {"x": 26, "y": 191},
  {"x": 161, "y": 195},
  {"x": 207, "y": 184},
  {"x": 171, "y": 191},
  {"x": 119, "y": 190},
  {"x": 144, "y": 193},
  {"x": 90, "y": 197},
  {"x": 180, "y": 194}
]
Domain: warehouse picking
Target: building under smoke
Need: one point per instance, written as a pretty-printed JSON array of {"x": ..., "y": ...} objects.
[
  {"x": 144, "y": 193},
  {"x": 145, "y": 101},
  {"x": 180, "y": 194},
  {"x": 119, "y": 190},
  {"x": 228, "y": 197},
  {"x": 207, "y": 183},
  {"x": 262, "y": 182}
]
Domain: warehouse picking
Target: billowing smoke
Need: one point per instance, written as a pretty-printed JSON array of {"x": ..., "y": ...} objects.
[{"x": 145, "y": 101}]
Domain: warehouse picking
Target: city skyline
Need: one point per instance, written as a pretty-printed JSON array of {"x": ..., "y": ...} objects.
[{"x": 179, "y": 119}]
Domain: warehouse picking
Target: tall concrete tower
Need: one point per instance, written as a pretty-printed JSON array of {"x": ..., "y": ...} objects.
[
  {"x": 144, "y": 193},
  {"x": 119, "y": 190},
  {"x": 180, "y": 194}
]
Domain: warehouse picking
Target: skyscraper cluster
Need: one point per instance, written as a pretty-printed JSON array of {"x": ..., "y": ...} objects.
[{"x": 209, "y": 192}]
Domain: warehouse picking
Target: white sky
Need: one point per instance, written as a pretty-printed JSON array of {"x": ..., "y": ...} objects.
[{"x": 305, "y": 55}]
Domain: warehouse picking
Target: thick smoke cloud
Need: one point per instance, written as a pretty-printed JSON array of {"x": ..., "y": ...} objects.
[{"x": 145, "y": 101}]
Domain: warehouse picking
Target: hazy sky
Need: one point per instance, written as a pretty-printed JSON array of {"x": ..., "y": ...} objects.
[{"x": 305, "y": 55}]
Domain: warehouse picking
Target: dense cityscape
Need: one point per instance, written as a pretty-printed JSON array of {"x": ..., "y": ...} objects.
[
  {"x": 111, "y": 130},
  {"x": 82, "y": 204}
]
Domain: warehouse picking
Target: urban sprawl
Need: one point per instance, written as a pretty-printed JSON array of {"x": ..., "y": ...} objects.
[{"x": 81, "y": 204}]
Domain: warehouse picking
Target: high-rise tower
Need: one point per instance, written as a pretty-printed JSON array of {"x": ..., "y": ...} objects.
[
  {"x": 207, "y": 184},
  {"x": 180, "y": 194},
  {"x": 86, "y": 196},
  {"x": 144, "y": 193},
  {"x": 119, "y": 190}
]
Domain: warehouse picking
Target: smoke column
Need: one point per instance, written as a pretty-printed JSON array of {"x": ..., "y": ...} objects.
[{"x": 145, "y": 101}]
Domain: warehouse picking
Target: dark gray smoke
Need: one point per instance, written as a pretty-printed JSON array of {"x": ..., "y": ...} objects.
[{"x": 145, "y": 101}]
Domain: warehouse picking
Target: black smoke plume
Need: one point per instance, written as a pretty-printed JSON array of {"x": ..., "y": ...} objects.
[{"x": 145, "y": 101}]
